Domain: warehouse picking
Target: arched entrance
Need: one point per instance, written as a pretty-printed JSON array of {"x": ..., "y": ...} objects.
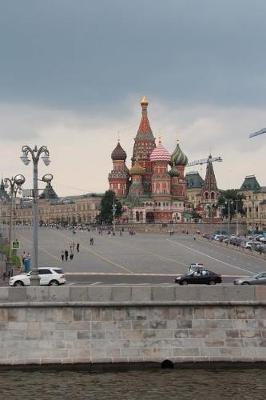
[{"x": 149, "y": 217}]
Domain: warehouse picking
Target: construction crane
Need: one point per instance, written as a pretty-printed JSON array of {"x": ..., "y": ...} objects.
[
  {"x": 204, "y": 161},
  {"x": 260, "y": 132}
]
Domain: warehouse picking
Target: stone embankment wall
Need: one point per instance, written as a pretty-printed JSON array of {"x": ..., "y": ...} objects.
[{"x": 132, "y": 324}]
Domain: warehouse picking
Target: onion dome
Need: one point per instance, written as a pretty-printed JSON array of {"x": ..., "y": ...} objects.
[
  {"x": 118, "y": 154},
  {"x": 178, "y": 157},
  {"x": 160, "y": 153},
  {"x": 174, "y": 171},
  {"x": 137, "y": 169}
]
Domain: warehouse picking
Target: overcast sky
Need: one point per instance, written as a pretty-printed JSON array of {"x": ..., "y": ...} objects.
[{"x": 72, "y": 73}]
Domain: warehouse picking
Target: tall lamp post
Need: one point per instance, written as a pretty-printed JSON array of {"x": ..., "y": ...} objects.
[
  {"x": 228, "y": 202},
  {"x": 14, "y": 184},
  {"x": 27, "y": 155},
  {"x": 114, "y": 211},
  {"x": 237, "y": 224}
]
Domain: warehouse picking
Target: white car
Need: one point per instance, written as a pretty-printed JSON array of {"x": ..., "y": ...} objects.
[
  {"x": 48, "y": 276},
  {"x": 196, "y": 267}
]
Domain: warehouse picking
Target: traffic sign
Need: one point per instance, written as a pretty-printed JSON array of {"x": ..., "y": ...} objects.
[{"x": 15, "y": 245}]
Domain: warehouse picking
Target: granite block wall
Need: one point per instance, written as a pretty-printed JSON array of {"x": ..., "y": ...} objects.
[{"x": 43, "y": 326}]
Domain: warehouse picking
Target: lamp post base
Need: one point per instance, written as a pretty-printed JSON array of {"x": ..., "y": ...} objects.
[
  {"x": 9, "y": 269},
  {"x": 34, "y": 280}
]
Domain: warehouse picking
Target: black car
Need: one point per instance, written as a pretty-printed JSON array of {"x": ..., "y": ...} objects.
[{"x": 204, "y": 277}]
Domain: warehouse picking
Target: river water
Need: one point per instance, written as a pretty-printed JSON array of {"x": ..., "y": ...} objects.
[{"x": 183, "y": 384}]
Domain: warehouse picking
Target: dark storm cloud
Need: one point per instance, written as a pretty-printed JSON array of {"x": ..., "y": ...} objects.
[{"x": 89, "y": 53}]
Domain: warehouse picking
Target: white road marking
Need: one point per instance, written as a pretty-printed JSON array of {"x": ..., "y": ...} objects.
[
  {"x": 132, "y": 274},
  {"x": 207, "y": 255}
]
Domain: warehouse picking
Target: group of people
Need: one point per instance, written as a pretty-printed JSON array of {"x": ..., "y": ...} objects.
[
  {"x": 69, "y": 254},
  {"x": 65, "y": 254}
]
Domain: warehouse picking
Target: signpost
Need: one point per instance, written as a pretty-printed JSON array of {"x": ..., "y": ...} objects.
[{"x": 15, "y": 245}]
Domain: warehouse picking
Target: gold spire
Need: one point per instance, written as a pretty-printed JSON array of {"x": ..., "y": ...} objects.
[{"x": 144, "y": 100}]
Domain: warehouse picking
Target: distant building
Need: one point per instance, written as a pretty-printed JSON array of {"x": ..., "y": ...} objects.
[
  {"x": 254, "y": 203},
  {"x": 72, "y": 210},
  {"x": 194, "y": 189}
]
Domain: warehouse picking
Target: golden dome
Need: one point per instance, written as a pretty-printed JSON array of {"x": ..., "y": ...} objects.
[
  {"x": 144, "y": 100},
  {"x": 137, "y": 169}
]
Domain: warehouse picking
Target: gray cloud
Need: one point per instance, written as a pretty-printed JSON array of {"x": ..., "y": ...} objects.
[{"x": 92, "y": 54}]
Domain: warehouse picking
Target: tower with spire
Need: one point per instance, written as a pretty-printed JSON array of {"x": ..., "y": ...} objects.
[
  {"x": 209, "y": 191},
  {"x": 209, "y": 194},
  {"x": 144, "y": 145}
]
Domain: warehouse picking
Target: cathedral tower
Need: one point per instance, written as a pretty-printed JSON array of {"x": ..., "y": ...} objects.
[
  {"x": 143, "y": 146},
  {"x": 119, "y": 177},
  {"x": 161, "y": 181}
]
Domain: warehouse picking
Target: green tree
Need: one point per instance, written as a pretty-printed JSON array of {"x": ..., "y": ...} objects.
[
  {"x": 108, "y": 202},
  {"x": 195, "y": 215},
  {"x": 15, "y": 259},
  {"x": 235, "y": 200}
]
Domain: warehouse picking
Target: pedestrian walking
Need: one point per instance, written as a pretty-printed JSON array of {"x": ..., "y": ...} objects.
[
  {"x": 71, "y": 256},
  {"x": 78, "y": 247},
  {"x": 62, "y": 255},
  {"x": 66, "y": 255},
  {"x": 91, "y": 241}
]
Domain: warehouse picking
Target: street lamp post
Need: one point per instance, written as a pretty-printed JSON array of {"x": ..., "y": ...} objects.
[
  {"x": 228, "y": 202},
  {"x": 35, "y": 154},
  {"x": 237, "y": 224},
  {"x": 114, "y": 211},
  {"x": 14, "y": 184}
]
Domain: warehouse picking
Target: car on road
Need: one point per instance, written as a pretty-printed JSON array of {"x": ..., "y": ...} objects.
[
  {"x": 257, "y": 279},
  {"x": 51, "y": 276},
  {"x": 204, "y": 277}
]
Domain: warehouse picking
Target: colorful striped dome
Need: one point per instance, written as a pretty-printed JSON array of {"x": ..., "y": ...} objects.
[
  {"x": 160, "y": 154},
  {"x": 178, "y": 157}
]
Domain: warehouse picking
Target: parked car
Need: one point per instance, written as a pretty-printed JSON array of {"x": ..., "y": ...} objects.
[
  {"x": 249, "y": 245},
  {"x": 257, "y": 279},
  {"x": 51, "y": 276},
  {"x": 202, "y": 277}
]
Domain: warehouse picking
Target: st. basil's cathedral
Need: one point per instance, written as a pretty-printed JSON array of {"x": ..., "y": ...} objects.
[{"x": 155, "y": 188}]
